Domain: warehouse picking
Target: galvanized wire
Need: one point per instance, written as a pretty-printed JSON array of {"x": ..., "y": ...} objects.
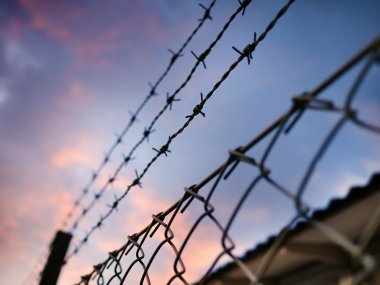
[
  {"x": 134, "y": 115},
  {"x": 163, "y": 150},
  {"x": 147, "y": 131},
  {"x": 115, "y": 266}
]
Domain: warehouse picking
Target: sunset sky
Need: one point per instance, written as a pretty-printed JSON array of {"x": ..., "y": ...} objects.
[{"x": 72, "y": 70}]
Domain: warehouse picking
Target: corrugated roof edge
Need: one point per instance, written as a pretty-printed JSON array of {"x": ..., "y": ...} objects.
[{"x": 356, "y": 194}]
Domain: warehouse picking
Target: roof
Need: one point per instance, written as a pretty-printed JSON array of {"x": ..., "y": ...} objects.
[{"x": 336, "y": 213}]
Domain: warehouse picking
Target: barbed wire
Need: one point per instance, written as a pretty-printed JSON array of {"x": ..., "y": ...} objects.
[
  {"x": 134, "y": 115},
  {"x": 114, "y": 269},
  {"x": 164, "y": 149},
  {"x": 147, "y": 131},
  {"x": 168, "y": 105}
]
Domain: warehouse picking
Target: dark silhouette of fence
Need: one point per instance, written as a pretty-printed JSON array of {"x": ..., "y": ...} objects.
[{"x": 120, "y": 264}]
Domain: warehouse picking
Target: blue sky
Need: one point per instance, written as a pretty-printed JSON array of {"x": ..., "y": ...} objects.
[{"x": 71, "y": 70}]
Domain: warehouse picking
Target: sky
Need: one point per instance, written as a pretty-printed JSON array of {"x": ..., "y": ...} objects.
[{"x": 72, "y": 71}]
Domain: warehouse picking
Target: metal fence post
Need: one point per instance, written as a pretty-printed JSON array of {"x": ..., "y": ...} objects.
[{"x": 56, "y": 258}]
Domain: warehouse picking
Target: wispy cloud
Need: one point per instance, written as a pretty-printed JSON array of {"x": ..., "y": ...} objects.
[{"x": 18, "y": 58}]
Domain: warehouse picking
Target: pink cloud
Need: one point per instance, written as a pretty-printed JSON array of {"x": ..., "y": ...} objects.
[
  {"x": 92, "y": 41},
  {"x": 74, "y": 154},
  {"x": 50, "y": 19},
  {"x": 203, "y": 247},
  {"x": 68, "y": 156},
  {"x": 27, "y": 223},
  {"x": 47, "y": 17},
  {"x": 95, "y": 51},
  {"x": 76, "y": 95}
]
